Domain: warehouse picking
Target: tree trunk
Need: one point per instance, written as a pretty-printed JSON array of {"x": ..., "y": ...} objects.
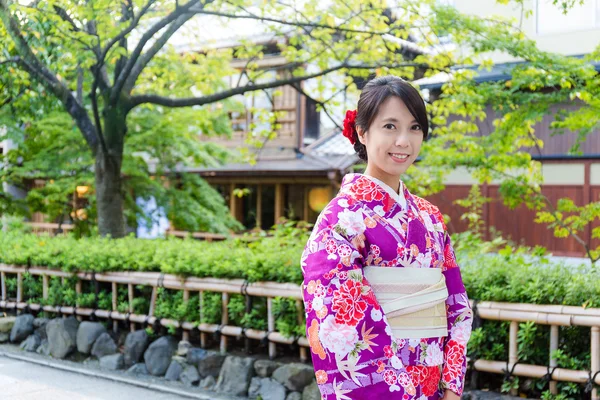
[
  {"x": 109, "y": 199},
  {"x": 109, "y": 194}
]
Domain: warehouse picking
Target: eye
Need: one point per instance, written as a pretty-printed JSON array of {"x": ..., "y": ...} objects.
[
  {"x": 416, "y": 127},
  {"x": 390, "y": 125}
]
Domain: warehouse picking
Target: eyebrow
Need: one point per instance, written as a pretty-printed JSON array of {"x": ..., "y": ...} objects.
[{"x": 392, "y": 119}]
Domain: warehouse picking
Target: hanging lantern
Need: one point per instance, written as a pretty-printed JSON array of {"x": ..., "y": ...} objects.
[
  {"x": 318, "y": 198},
  {"x": 82, "y": 190}
]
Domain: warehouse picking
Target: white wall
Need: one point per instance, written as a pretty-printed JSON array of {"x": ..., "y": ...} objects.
[{"x": 578, "y": 32}]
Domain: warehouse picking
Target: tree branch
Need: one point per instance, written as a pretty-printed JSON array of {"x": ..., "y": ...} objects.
[
  {"x": 120, "y": 82},
  {"x": 290, "y": 23},
  {"x": 62, "y": 13},
  {"x": 152, "y": 51},
  {"x": 196, "y": 101},
  {"x": 38, "y": 71},
  {"x": 132, "y": 25}
]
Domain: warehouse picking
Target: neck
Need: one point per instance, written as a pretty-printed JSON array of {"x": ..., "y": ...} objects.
[{"x": 390, "y": 180}]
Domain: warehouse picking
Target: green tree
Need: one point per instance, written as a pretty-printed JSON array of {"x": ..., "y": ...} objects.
[{"x": 118, "y": 54}]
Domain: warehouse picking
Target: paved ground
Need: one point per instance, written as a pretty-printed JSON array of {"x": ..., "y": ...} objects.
[{"x": 21, "y": 380}]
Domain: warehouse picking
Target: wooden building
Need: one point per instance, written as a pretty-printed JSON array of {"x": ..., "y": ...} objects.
[
  {"x": 295, "y": 174},
  {"x": 565, "y": 176}
]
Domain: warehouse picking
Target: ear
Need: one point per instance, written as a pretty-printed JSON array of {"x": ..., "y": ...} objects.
[{"x": 361, "y": 134}]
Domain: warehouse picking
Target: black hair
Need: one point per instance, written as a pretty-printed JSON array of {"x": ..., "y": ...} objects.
[{"x": 375, "y": 93}]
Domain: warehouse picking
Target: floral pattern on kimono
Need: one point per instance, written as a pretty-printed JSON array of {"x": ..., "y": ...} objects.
[{"x": 354, "y": 352}]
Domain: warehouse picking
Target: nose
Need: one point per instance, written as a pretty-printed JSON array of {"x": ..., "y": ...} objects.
[{"x": 402, "y": 139}]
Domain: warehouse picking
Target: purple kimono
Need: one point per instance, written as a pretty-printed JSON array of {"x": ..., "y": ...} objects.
[{"x": 354, "y": 352}]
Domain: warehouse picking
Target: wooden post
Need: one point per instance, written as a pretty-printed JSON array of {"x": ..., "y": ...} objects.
[
  {"x": 232, "y": 201},
  {"x": 595, "y": 356},
  {"x": 513, "y": 356},
  {"x": 587, "y": 197},
  {"x": 271, "y": 327},
  {"x": 300, "y": 311},
  {"x": 3, "y": 278},
  {"x": 152, "y": 301},
  {"x": 485, "y": 192},
  {"x": 78, "y": 291},
  {"x": 278, "y": 201},
  {"x": 19, "y": 287},
  {"x": 130, "y": 298},
  {"x": 186, "y": 298},
  {"x": 553, "y": 362},
  {"x": 305, "y": 211},
  {"x": 224, "y": 320},
  {"x": 259, "y": 206},
  {"x": 202, "y": 334},
  {"x": 114, "y": 305},
  {"x": 44, "y": 286}
]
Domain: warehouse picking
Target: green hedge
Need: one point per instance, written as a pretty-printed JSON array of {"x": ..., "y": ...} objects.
[
  {"x": 491, "y": 271},
  {"x": 275, "y": 258}
]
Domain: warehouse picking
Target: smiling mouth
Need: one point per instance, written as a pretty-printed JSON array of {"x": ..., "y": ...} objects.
[{"x": 399, "y": 156}]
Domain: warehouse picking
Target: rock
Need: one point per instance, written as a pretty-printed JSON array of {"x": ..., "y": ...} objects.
[
  {"x": 194, "y": 355},
  {"x": 208, "y": 383},
  {"x": 40, "y": 322},
  {"x": 235, "y": 375},
  {"x": 211, "y": 364},
  {"x": 104, "y": 346},
  {"x": 265, "y": 368},
  {"x": 174, "y": 371},
  {"x": 4, "y": 337},
  {"x": 159, "y": 353},
  {"x": 294, "y": 376},
  {"x": 22, "y": 328},
  {"x": 138, "y": 369},
  {"x": 62, "y": 336},
  {"x": 44, "y": 348},
  {"x": 266, "y": 389},
  {"x": 112, "y": 362},
  {"x": 135, "y": 345},
  {"x": 311, "y": 392},
  {"x": 87, "y": 334},
  {"x": 91, "y": 361},
  {"x": 294, "y": 396},
  {"x": 179, "y": 359},
  {"x": 183, "y": 347},
  {"x": 31, "y": 343},
  {"x": 39, "y": 326},
  {"x": 6, "y": 324},
  {"x": 190, "y": 376}
]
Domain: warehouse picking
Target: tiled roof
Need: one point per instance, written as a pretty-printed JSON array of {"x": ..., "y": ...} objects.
[
  {"x": 332, "y": 152},
  {"x": 499, "y": 72}
]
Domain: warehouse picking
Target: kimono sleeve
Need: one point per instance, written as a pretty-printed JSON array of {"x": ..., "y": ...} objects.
[
  {"x": 459, "y": 323},
  {"x": 350, "y": 339}
]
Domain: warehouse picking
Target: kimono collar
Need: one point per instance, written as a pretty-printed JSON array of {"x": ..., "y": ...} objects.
[{"x": 399, "y": 196}]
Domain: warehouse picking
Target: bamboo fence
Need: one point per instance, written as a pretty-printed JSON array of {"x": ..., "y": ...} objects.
[{"x": 552, "y": 315}]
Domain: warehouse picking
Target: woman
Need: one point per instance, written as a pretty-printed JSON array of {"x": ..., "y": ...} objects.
[{"x": 386, "y": 310}]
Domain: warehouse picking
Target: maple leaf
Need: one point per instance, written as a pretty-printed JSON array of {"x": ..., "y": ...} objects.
[
  {"x": 367, "y": 336},
  {"x": 348, "y": 368},
  {"x": 340, "y": 394}
]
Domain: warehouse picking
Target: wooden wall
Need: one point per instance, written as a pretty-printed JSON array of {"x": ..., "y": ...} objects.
[{"x": 518, "y": 224}]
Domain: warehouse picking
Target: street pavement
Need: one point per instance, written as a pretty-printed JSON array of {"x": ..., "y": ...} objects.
[{"x": 21, "y": 380}]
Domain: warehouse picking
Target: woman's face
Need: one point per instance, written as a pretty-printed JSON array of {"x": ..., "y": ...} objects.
[{"x": 393, "y": 141}]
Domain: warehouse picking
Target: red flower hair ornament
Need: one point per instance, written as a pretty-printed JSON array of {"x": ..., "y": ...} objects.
[{"x": 350, "y": 125}]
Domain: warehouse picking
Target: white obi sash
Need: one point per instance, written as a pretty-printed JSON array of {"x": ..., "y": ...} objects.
[{"x": 413, "y": 299}]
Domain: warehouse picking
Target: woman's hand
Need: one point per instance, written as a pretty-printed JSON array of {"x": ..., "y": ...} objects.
[{"x": 450, "y": 395}]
